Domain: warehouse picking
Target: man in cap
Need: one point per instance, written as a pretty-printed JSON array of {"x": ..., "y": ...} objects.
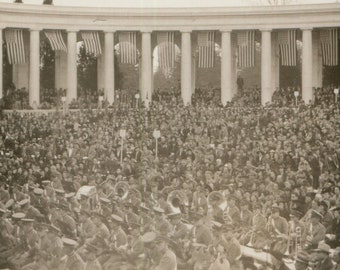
[
  {"x": 296, "y": 229},
  {"x": 179, "y": 229},
  {"x": 162, "y": 256},
  {"x": 92, "y": 262},
  {"x": 18, "y": 195},
  {"x": 315, "y": 232},
  {"x": 55, "y": 248},
  {"x": 118, "y": 238},
  {"x": 86, "y": 227},
  {"x": 72, "y": 261},
  {"x": 30, "y": 211},
  {"x": 102, "y": 234},
  {"x": 6, "y": 230},
  {"x": 159, "y": 223},
  {"x": 31, "y": 239},
  {"x": 40, "y": 201},
  {"x": 65, "y": 221}
]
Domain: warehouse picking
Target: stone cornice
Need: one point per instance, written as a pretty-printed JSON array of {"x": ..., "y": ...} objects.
[{"x": 170, "y": 19}]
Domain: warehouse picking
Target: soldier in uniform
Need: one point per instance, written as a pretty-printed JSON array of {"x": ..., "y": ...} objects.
[
  {"x": 118, "y": 238},
  {"x": 92, "y": 262},
  {"x": 30, "y": 211},
  {"x": 106, "y": 209},
  {"x": 66, "y": 222},
  {"x": 315, "y": 232},
  {"x": 102, "y": 234},
  {"x": 40, "y": 201},
  {"x": 72, "y": 260},
  {"x": 48, "y": 190},
  {"x": 86, "y": 228},
  {"x": 162, "y": 258},
  {"x": 179, "y": 229}
]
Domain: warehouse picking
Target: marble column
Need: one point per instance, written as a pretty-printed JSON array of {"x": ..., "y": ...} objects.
[
  {"x": 226, "y": 68},
  {"x": 307, "y": 65},
  {"x": 71, "y": 65},
  {"x": 266, "y": 66},
  {"x": 317, "y": 60},
  {"x": 109, "y": 67},
  {"x": 34, "y": 72},
  {"x": 275, "y": 63},
  {"x": 186, "y": 68},
  {"x": 146, "y": 69}
]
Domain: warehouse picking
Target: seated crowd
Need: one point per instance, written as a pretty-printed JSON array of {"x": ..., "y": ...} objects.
[{"x": 219, "y": 188}]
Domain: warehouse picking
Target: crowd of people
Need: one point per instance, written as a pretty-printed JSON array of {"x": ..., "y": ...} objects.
[{"x": 219, "y": 187}]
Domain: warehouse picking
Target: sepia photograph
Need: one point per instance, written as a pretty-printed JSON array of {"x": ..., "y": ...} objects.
[{"x": 169, "y": 135}]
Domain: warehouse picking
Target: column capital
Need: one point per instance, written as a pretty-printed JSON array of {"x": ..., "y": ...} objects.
[
  {"x": 109, "y": 31},
  {"x": 2, "y": 27},
  {"x": 32, "y": 29},
  {"x": 72, "y": 30},
  {"x": 186, "y": 31},
  {"x": 307, "y": 28},
  {"x": 226, "y": 30},
  {"x": 266, "y": 29}
]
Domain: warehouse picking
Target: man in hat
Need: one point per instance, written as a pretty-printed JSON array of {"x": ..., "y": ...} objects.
[
  {"x": 333, "y": 236},
  {"x": 315, "y": 232},
  {"x": 72, "y": 261},
  {"x": 40, "y": 201},
  {"x": 320, "y": 259}
]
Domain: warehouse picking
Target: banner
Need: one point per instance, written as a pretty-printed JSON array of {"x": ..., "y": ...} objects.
[
  {"x": 128, "y": 51},
  {"x": 206, "y": 49},
  {"x": 166, "y": 50},
  {"x": 287, "y": 45},
  {"x": 329, "y": 40},
  {"x": 92, "y": 42},
  {"x": 56, "y": 40},
  {"x": 15, "y": 46},
  {"x": 246, "y": 49}
]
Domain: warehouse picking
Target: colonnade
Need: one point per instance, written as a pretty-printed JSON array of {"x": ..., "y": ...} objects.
[{"x": 228, "y": 77}]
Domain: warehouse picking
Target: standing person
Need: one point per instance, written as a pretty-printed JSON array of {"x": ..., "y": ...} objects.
[{"x": 240, "y": 83}]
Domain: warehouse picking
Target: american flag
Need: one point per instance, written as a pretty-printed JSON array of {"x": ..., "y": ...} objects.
[
  {"x": 287, "y": 45},
  {"x": 128, "y": 51},
  {"x": 246, "y": 49},
  {"x": 56, "y": 40},
  {"x": 206, "y": 49},
  {"x": 92, "y": 42},
  {"x": 15, "y": 46},
  {"x": 329, "y": 40},
  {"x": 166, "y": 50}
]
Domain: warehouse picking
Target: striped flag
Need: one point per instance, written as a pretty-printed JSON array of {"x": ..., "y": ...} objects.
[
  {"x": 15, "y": 46},
  {"x": 206, "y": 49},
  {"x": 287, "y": 44},
  {"x": 127, "y": 45},
  {"x": 246, "y": 49},
  {"x": 92, "y": 42},
  {"x": 166, "y": 50},
  {"x": 329, "y": 40},
  {"x": 56, "y": 40}
]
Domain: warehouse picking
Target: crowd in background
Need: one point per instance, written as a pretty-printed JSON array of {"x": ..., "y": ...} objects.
[{"x": 269, "y": 163}]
